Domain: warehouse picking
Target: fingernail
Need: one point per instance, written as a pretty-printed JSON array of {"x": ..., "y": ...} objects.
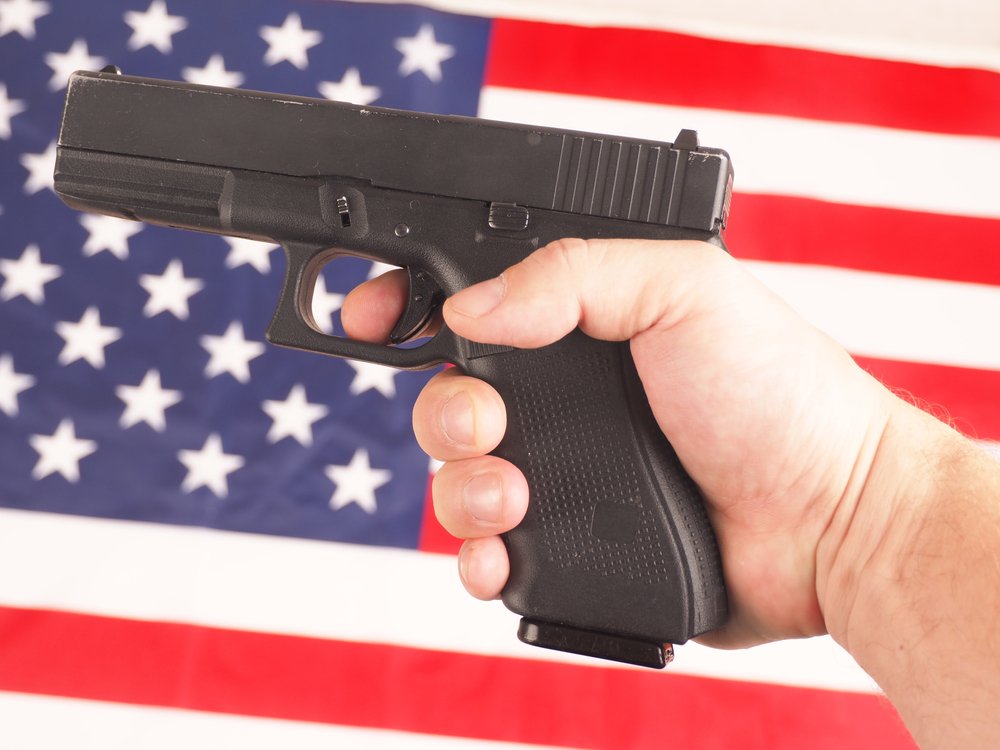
[
  {"x": 483, "y": 497},
  {"x": 458, "y": 419},
  {"x": 479, "y": 299}
]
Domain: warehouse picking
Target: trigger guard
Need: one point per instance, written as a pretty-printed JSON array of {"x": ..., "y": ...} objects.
[{"x": 424, "y": 297}]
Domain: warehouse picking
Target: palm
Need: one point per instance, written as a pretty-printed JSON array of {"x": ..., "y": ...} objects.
[
  {"x": 769, "y": 416},
  {"x": 770, "y": 433}
]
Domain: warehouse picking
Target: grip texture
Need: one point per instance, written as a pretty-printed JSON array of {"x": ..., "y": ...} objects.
[{"x": 616, "y": 539}]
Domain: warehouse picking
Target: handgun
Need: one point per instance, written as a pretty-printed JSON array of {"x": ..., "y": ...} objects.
[{"x": 615, "y": 557}]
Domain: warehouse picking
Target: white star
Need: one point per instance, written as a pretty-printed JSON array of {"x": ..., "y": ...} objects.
[
  {"x": 169, "y": 292},
  {"x": 64, "y": 64},
  {"x": 368, "y": 375},
  {"x": 86, "y": 339},
  {"x": 213, "y": 74},
  {"x": 108, "y": 233},
  {"x": 293, "y": 417},
  {"x": 251, "y": 252},
  {"x": 324, "y": 305},
  {"x": 27, "y": 275},
  {"x": 209, "y": 466},
  {"x": 20, "y": 16},
  {"x": 423, "y": 52},
  {"x": 289, "y": 42},
  {"x": 40, "y": 168},
  {"x": 231, "y": 353},
  {"x": 8, "y": 109},
  {"x": 350, "y": 89},
  {"x": 11, "y": 384},
  {"x": 146, "y": 402},
  {"x": 60, "y": 452},
  {"x": 356, "y": 482},
  {"x": 379, "y": 268},
  {"x": 154, "y": 27}
]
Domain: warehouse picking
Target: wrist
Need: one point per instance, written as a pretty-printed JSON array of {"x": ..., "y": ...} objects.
[
  {"x": 907, "y": 578},
  {"x": 859, "y": 555}
]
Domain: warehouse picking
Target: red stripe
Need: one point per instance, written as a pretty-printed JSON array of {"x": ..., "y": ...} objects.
[
  {"x": 389, "y": 687},
  {"x": 667, "y": 68},
  {"x": 801, "y": 230},
  {"x": 965, "y": 398}
]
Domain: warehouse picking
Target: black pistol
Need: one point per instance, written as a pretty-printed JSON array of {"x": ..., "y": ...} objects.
[{"x": 616, "y": 557}]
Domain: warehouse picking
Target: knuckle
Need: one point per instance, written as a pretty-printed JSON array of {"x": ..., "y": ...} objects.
[{"x": 566, "y": 254}]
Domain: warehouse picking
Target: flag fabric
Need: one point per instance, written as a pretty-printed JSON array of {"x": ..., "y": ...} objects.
[{"x": 209, "y": 543}]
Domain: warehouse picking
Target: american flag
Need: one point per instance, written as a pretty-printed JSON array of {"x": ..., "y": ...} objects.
[{"x": 209, "y": 543}]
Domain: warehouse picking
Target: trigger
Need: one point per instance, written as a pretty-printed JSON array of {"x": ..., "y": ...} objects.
[{"x": 424, "y": 298}]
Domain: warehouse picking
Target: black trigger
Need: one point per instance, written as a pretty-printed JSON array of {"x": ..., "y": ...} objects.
[{"x": 424, "y": 298}]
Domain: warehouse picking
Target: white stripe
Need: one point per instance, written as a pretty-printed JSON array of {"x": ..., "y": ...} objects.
[
  {"x": 316, "y": 589},
  {"x": 32, "y": 722},
  {"x": 893, "y": 317},
  {"x": 940, "y": 32},
  {"x": 790, "y": 156}
]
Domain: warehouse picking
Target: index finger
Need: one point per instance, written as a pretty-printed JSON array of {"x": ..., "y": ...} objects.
[{"x": 371, "y": 310}]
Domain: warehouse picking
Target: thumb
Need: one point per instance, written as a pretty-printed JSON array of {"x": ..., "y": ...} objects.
[{"x": 612, "y": 289}]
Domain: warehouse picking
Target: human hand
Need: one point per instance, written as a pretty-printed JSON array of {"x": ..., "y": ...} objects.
[
  {"x": 838, "y": 507},
  {"x": 773, "y": 420}
]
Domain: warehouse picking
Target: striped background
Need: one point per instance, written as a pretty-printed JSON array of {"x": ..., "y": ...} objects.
[{"x": 866, "y": 143}]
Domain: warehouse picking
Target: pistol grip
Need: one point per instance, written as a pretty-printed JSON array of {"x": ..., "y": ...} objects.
[{"x": 615, "y": 557}]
